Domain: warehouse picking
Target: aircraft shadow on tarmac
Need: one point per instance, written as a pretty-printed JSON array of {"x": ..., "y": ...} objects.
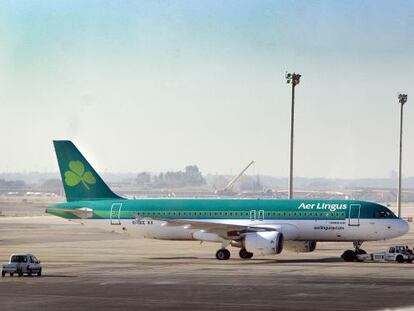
[
  {"x": 173, "y": 258},
  {"x": 58, "y": 276},
  {"x": 45, "y": 276},
  {"x": 258, "y": 260},
  {"x": 307, "y": 260}
]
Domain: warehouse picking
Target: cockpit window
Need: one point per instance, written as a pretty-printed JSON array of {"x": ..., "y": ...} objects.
[{"x": 384, "y": 214}]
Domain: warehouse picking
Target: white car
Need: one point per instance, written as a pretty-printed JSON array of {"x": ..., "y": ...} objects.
[
  {"x": 22, "y": 264},
  {"x": 397, "y": 253}
]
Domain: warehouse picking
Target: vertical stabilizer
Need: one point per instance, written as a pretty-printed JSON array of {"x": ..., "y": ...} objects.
[{"x": 80, "y": 181}]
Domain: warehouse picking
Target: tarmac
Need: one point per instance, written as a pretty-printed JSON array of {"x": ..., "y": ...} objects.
[{"x": 87, "y": 269}]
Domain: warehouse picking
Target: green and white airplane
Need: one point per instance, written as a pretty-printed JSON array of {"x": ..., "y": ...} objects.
[{"x": 256, "y": 226}]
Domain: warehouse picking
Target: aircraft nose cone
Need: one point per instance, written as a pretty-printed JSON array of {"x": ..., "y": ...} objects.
[{"x": 403, "y": 226}]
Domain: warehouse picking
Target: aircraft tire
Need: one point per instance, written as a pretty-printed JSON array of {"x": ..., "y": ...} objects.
[
  {"x": 223, "y": 254},
  {"x": 359, "y": 252},
  {"x": 348, "y": 255},
  {"x": 244, "y": 254}
]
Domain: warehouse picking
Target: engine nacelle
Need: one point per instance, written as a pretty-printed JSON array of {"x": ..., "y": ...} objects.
[
  {"x": 301, "y": 246},
  {"x": 264, "y": 243}
]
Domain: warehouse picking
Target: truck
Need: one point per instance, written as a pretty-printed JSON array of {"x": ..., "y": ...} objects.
[
  {"x": 22, "y": 264},
  {"x": 396, "y": 253}
]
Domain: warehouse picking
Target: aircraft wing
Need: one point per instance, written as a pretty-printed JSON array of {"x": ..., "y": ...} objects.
[{"x": 222, "y": 229}]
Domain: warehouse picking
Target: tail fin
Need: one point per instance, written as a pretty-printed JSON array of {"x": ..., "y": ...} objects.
[{"x": 80, "y": 180}]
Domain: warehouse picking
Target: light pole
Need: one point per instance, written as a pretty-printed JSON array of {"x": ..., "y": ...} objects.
[
  {"x": 292, "y": 78},
  {"x": 402, "y": 99}
]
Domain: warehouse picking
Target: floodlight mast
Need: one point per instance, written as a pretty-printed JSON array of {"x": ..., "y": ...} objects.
[
  {"x": 402, "y": 99},
  {"x": 294, "y": 79}
]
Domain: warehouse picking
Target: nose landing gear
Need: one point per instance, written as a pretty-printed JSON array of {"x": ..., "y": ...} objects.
[{"x": 350, "y": 255}]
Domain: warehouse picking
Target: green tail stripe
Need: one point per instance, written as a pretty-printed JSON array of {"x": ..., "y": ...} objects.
[{"x": 80, "y": 180}]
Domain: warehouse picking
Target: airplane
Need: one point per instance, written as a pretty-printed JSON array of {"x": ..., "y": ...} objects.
[{"x": 256, "y": 226}]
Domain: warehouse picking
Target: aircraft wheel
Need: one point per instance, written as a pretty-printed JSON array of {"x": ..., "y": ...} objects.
[
  {"x": 223, "y": 254},
  {"x": 244, "y": 254},
  {"x": 348, "y": 255},
  {"x": 359, "y": 252}
]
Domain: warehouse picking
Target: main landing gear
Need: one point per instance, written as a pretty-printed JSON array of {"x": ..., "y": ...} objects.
[
  {"x": 350, "y": 255},
  {"x": 244, "y": 254},
  {"x": 223, "y": 254}
]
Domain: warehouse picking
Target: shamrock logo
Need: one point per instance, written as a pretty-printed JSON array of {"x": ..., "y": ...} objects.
[{"x": 77, "y": 174}]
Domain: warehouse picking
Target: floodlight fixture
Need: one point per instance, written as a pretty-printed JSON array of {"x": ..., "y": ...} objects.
[
  {"x": 293, "y": 78},
  {"x": 402, "y": 98}
]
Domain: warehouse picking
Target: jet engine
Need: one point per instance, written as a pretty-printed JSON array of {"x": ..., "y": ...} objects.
[
  {"x": 264, "y": 243},
  {"x": 301, "y": 246}
]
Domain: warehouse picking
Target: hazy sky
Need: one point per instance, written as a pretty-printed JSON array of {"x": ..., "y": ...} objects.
[{"x": 157, "y": 85}]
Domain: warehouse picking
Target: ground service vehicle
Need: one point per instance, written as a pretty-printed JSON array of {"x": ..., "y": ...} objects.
[
  {"x": 396, "y": 253},
  {"x": 22, "y": 264}
]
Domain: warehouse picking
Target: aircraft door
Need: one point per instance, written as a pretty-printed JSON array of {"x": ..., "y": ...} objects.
[
  {"x": 354, "y": 214},
  {"x": 115, "y": 216},
  {"x": 252, "y": 215},
  {"x": 261, "y": 215}
]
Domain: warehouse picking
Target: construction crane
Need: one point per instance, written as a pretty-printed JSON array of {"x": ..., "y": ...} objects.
[{"x": 228, "y": 188}]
